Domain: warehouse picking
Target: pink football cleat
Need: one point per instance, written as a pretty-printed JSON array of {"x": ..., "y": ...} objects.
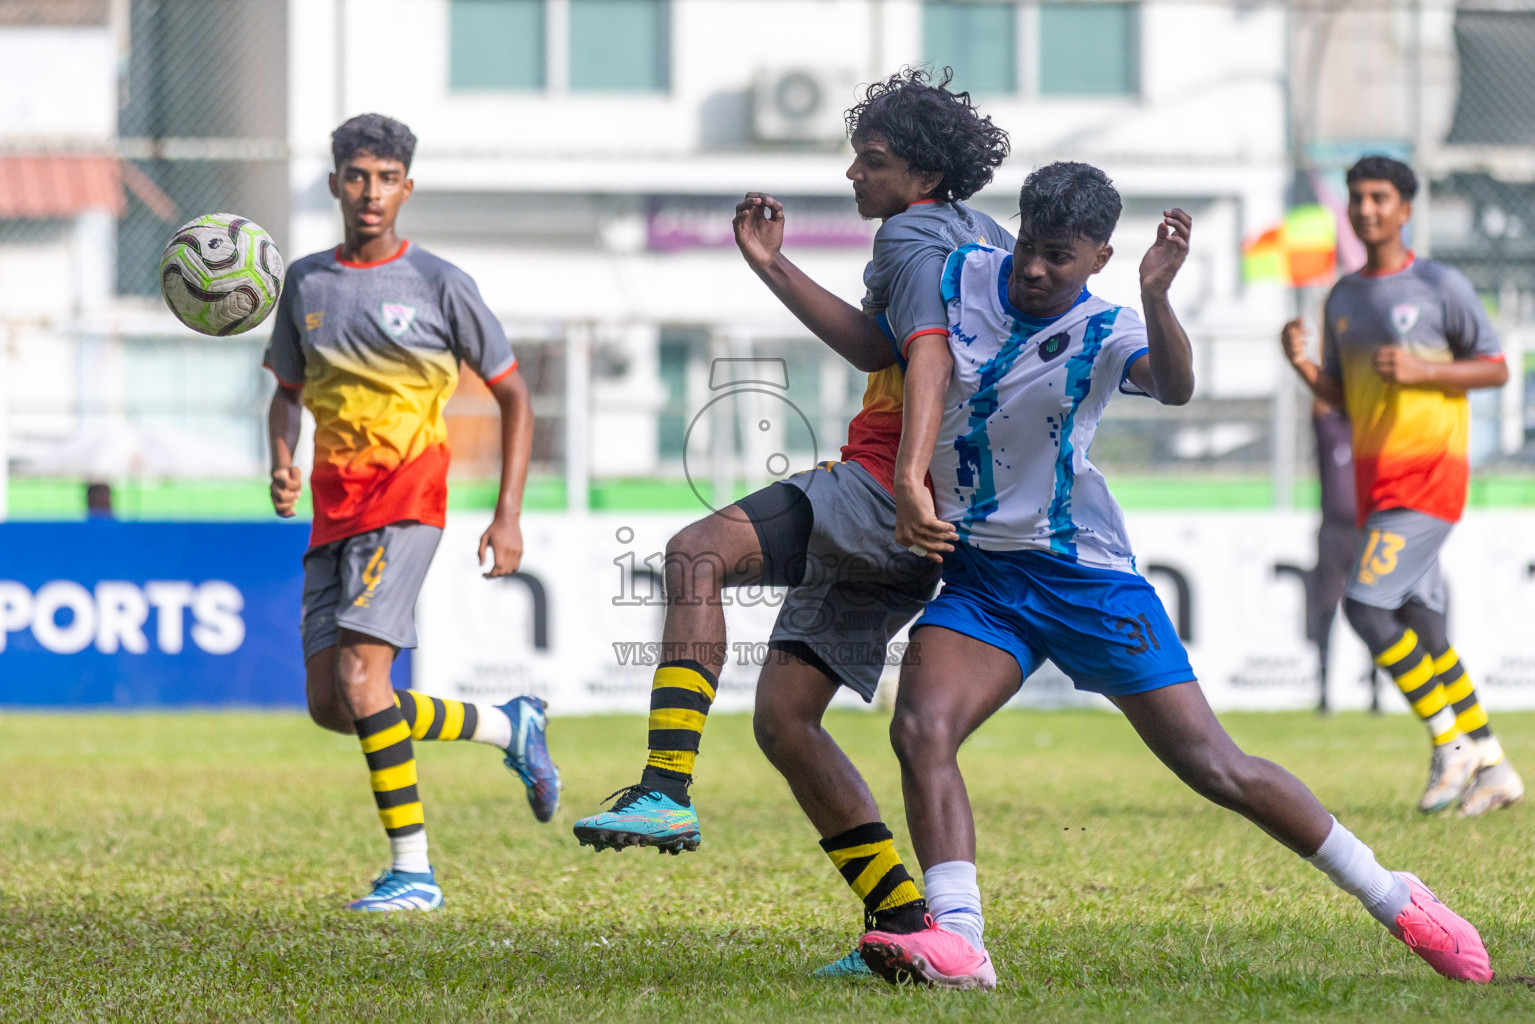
[
  {"x": 1446, "y": 941},
  {"x": 932, "y": 956}
]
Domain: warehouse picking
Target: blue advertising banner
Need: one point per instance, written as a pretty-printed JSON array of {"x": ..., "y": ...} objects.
[{"x": 151, "y": 614}]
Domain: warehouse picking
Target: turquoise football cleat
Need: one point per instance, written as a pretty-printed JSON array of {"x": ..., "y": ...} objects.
[
  {"x": 641, "y": 817},
  {"x": 527, "y": 756},
  {"x": 401, "y": 890},
  {"x": 850, "y": 966}
]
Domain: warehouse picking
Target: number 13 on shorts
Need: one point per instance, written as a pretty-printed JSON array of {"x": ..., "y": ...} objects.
[{"x": 1379, "y": 558}]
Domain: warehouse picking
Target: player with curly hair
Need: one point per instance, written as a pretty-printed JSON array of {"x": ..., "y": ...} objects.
[{"x": 920, "y": 151}]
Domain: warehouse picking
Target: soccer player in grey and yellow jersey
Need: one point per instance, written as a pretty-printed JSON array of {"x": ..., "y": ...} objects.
[
  {"x": 1404, "y": 340},
  {"x": 369, "y": 336},
  {"x": 826, "y": 533}
]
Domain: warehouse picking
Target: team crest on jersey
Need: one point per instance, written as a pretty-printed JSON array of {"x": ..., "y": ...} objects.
[
  {"x": 1053, "y": 346},
  {"x": 1403, "y": 317},
  {"x": 397, "y": 318}
]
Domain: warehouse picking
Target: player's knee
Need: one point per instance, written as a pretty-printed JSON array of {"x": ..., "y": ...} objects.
[
  {"x": 769, "y": 729},
  {"x": 329, "y": 714},
  {"x": 695, "y": 565},
  {"x": 1377, "y": 627},
  {"x": 919, "y": 738},
  {"x": 1221, "y": 777}
]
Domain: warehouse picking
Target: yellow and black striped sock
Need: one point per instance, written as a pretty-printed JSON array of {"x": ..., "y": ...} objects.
[
  {"x": 1470, "y": 716},
  {"x": 680, "y": 696},
  {"x": 392, "y": 770},
  {"x": 1413, "y": 669},
  {"x": 434, "y": 718},
  {"x": 866, "y": 858}
]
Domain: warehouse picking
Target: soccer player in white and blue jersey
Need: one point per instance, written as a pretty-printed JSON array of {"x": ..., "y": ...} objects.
[{"x": 1037, "y": 563}]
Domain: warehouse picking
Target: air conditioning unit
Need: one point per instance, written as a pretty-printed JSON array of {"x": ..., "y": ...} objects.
[{"x": 802, "y": 104}]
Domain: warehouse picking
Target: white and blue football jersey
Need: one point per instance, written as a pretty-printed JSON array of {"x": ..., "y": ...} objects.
[{"x": 1011, "y": 469}]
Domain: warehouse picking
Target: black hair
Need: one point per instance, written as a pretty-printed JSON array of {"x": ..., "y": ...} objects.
[
  {"x": 382, "y": 136},
  {"x": 1383, "y": 168},
  {"x": 1070, "y": 200},
  {"x": 934, "y": 130}
]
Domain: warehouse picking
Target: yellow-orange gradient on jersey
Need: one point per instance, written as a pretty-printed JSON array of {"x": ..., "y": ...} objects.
[
  {"x": 874, "y": 435},
  {"x": 380, "y": 444},
  {"x": 1409, "y": 441}
]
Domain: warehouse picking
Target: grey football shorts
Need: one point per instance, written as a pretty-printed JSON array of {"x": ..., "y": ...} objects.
[
  {"x": 1399, "y": 561},
  {"x": 829, "y": 535},
  {"x": 368, "y": 584}
]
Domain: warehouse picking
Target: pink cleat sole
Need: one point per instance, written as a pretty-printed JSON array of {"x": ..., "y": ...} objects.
[
  {"x": 930, "y": 957},
  {"x": 1443, "y": 939}
]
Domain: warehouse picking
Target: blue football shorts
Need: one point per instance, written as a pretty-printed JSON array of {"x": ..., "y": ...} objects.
[{"x": 1106, "y": 629}]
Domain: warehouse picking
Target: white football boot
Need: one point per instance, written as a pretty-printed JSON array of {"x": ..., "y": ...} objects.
[
  {"x": 1450, "y": 771},
  {"x": 1495, "y": 783}
]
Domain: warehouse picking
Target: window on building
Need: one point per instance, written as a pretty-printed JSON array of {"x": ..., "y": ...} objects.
[
  {"x": 619, "y": 46},
  {"x": 1079, "y": 48},
  {"x": 496, "y": 44},
  {"x": 979, "y": 40},
  {"x": 1089, "y": 49}
]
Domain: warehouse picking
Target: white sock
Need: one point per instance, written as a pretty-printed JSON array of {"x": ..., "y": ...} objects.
[
  {"x": 1353, "y": 868},
  {"x": 954, "y": 900},
  {"x": 410, "y": 853},
  {"x": 1491, "y": 751},
  {"x": 492, "y": 726}
]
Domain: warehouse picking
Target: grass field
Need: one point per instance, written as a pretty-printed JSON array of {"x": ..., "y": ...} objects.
[{"x": 191, "y": 868}]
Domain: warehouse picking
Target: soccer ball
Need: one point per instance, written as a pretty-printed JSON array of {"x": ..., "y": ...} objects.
[{"x": 221, "y": 274}]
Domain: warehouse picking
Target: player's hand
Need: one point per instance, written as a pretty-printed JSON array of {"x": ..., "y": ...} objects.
[
  {"x": 1400, "y": 366},
  {"x": 504, "y": 539},
  {"x": 287, "y": 485},
  {"x": 1292, "y": 339},
  {"x": 1165, "y": 257},
  {"x": 758, "y": 226},
  {"x": 917, "y": 524}
]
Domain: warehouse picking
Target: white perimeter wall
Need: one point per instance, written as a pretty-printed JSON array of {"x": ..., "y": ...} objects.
[{"x": 1246, "y": 642}]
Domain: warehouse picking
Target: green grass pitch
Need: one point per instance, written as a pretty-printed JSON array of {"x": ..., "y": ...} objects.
[{"x": 191, "y": 867}]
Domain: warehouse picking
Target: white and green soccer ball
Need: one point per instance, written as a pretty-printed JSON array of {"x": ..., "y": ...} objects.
[{"x": 221, "y": 274}]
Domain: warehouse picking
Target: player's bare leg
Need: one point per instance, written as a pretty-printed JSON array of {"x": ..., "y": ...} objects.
[
  {"x": 937, "y": 708},
  {"x": 792, "y": 697},
  {"x": 1177, "y": 724},
  {"x": 327, "y": 708},
  {"x": 703, "y": 559},
  {"x": 1179, "y": 727}
]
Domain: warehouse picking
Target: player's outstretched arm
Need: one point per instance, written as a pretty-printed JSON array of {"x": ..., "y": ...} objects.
[
  {"x": 284, "y": 416},
  {"x": 1167, "y": 372},
  {"x": 504, "y": 535},
  {"x": 855, "y": 337},
  {"x": 929, "y": 366},
  {"x": 1324, "y": 386}
]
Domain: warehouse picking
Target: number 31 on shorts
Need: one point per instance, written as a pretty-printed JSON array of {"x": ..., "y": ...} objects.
[{"x": 1379, "y": 558}]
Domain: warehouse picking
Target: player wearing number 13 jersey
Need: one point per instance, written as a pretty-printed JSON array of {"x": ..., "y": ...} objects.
[{"x": 1404, "y": 340}]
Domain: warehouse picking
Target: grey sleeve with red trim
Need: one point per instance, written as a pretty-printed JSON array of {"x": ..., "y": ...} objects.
[
  {"x": 916, "y": 297},
  {"x": 905, "y": 277},
  {"x": 1467, "y": 327},
  {"x": 285, "y": 351},
  {"x": 477, "y": 335}
]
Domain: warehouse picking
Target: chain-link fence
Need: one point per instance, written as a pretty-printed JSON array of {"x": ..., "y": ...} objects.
[{"x": 140, "y": 114}]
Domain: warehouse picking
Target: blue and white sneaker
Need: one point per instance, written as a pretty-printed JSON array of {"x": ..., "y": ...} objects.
[
  {"x": 641, "y": 817},
  {"x": 401, "y": 890},
  {"x": 850, "y": 966},
  {"x": 527, "y": 756}
]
